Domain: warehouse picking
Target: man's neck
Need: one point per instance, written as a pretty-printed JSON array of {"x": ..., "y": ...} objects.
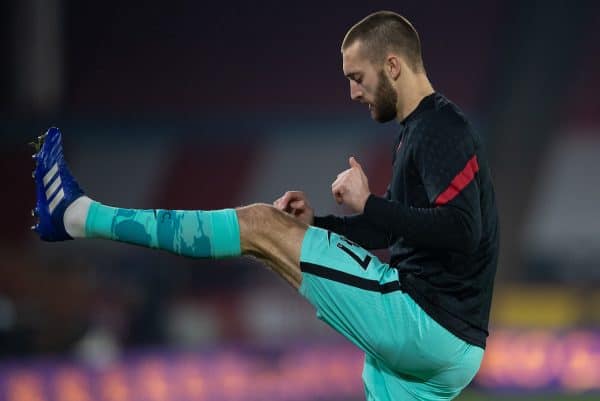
[{"x": 413, "y": 94}]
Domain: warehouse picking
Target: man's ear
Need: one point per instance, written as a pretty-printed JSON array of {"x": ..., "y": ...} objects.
[{"x": 393, "y": 66}]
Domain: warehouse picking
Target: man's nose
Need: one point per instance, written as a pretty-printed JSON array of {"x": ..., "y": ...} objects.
[{"x": 355, "y": 91}]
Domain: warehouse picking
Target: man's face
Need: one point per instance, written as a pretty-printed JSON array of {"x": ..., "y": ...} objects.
[{"x": 369, "y": 85}]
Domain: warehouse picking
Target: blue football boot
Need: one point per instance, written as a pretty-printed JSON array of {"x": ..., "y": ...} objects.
[{"x": 55, "y": 187}]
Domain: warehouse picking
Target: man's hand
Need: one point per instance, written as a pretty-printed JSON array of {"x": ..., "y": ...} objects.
[
  {"x": 296, "y": 204},
  {"x": 351, "y": 187}
]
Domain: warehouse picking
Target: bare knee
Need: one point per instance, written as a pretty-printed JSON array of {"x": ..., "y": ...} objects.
[
  {"x": 250, "y": 218},
  {"x": 261, "y": 223},
  {"x": 274, "y": 237},
  {"x": 256, "y": 216}
]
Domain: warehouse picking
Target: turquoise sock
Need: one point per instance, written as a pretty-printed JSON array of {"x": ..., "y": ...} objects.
[{"x": 194, "y": 233}]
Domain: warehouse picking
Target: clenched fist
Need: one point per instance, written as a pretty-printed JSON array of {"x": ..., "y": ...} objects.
[{"x": 351, "y": 187}]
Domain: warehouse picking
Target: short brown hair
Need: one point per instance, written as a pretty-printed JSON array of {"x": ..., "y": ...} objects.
[{"x": 383, "y": 31}]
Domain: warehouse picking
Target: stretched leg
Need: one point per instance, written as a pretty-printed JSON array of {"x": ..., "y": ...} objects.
[{"x": 65, "y": 213}]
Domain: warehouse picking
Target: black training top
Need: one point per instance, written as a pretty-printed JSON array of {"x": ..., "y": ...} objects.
[{"x": 438, "y": 217}]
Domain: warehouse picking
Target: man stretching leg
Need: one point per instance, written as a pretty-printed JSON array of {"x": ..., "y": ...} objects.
[{"x": 421, "y": 319}]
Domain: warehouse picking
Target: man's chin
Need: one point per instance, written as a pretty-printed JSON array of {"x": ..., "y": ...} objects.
[{"x": 381, "y": 118}]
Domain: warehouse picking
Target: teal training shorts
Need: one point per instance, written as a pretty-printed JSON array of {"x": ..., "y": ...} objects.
[{"x": 409, "y": 356}]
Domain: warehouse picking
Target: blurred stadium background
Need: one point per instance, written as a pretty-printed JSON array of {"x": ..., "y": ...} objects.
[{"x": 185, "y": 104}]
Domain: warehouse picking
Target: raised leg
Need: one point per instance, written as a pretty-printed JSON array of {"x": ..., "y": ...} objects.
[{"x": 64, "y": 213}]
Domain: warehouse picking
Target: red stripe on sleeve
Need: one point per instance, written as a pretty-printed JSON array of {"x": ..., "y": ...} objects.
[{"x": 459, "y": 182}]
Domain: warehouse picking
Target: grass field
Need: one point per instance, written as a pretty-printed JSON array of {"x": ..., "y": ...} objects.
[{"x": 480, "y": 396}]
